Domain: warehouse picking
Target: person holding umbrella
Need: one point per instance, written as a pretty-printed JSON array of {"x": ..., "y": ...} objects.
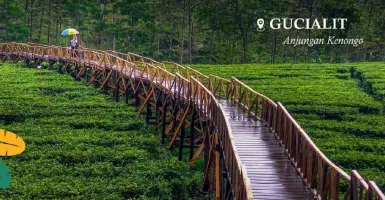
[{"x": 74, "y": 44}]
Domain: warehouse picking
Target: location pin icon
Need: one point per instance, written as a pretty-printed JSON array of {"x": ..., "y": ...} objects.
[{"x": 260, "y": 23}]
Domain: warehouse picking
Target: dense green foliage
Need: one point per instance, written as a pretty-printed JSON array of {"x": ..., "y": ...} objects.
[
  {"x": 199, "y": 31},
  {"x": 80, "y": 145},
  {"x": 372, "y": 79},
  {"x": 347, "y": 123}
]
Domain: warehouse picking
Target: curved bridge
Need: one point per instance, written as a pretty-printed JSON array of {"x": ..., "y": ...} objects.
[{"x": 252, "y": 146}]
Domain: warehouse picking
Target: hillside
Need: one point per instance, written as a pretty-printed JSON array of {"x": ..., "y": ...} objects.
[{"x": 82, "y": 145}]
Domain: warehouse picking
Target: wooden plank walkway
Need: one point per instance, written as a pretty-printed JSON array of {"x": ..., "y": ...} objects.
[{"x": 271, "y": 173}]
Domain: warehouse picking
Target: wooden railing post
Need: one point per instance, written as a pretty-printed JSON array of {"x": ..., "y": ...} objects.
[
  {"x": 375, "y": 191},
  {"x": 353, "y": 186}
]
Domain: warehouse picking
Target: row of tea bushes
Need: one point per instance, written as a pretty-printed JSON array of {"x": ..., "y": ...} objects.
[
  {"x": 371, "y": 77},
  {"x": 81, "y": 145}
]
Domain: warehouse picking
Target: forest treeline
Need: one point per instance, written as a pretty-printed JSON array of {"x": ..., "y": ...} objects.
[{"x": 199, "y": 31}]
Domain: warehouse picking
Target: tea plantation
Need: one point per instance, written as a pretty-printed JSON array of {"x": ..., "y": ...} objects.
[
  {"x": 81, "y": 145},
  {"x": 371, "y": 77},
  {"x": 340, "y": 106}
]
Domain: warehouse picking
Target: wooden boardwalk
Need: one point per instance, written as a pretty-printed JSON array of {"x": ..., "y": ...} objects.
[
  {"x": 252, "y": 147},
  {"x": 271, "y": 173}
]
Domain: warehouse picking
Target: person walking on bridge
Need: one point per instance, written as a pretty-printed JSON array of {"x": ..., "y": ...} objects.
[
  {"x": 74, "y": 45},
  {"x": 74, "y": 42}
]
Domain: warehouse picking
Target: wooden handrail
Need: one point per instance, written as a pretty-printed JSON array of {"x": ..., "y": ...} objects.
[
  {"x": 184, "y": 71},
  {"x": 360, "y": 189},
  {"x": 232, "y": 161},
  {"x": 319, "y": 173},
  {"x": 316, "y": 169},
  {"x": 219, "y": 86},
  {"x": 135, "y": 58},
  {"x": 255, "y": 104}
]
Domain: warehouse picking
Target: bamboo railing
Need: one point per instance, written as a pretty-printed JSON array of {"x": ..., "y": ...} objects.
[{"x": 321, "y": 175}]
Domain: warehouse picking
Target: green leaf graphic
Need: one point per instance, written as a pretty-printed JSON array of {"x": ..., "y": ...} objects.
[{"x": 5, "y": 176}]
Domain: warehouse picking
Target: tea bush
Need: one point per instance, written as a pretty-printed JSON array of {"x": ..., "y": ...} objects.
[{"x": 81, "y": 145}]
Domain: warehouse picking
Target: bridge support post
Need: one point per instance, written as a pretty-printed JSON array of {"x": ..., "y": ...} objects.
[
  {"x": 36, "y": 63},
  {"x": 148, "y": 112},
  {"x": 164, "y": 118},
  {"x": 174, "y": 121},
  {"x": 66, "y": 66},
  {"x": 117, "y": 91},
  {"x": 223, "y": 175},
  {"x": 137, "y": 101},
  {"x": 50, "y": 64},
  {"x": 27, "y": 61},
  {"x": 206, "y": 141},
  {"x": 206, "y": 150},
  {"x": 59, "y": 67},
  {"x": 75, "y": 72},
  {"x": 182, "y": 136},
  {"x": 3, "y": 58},
  {"x": 86, "y": 74},
  {"x": 127, "y": 94},
  {"x": 17, "y": 58},
  {"x": 156, "y": 114},
  {"x": 105, "y": 87},
  {"x": 95, "y": 79},
  {"x": 10, "y": 57},
  {"x": 136, "y": 96},
  {"x": 218, "y": 167},
  {"x": 192, "y": 133},
  {"x": 213, "y": 173}
]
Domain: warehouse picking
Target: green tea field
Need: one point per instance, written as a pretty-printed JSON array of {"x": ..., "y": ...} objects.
[
  {"x": 372, "y": 78},
  {"x": 340, "y": 106},
  {"x": 81, "y": 145}
]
